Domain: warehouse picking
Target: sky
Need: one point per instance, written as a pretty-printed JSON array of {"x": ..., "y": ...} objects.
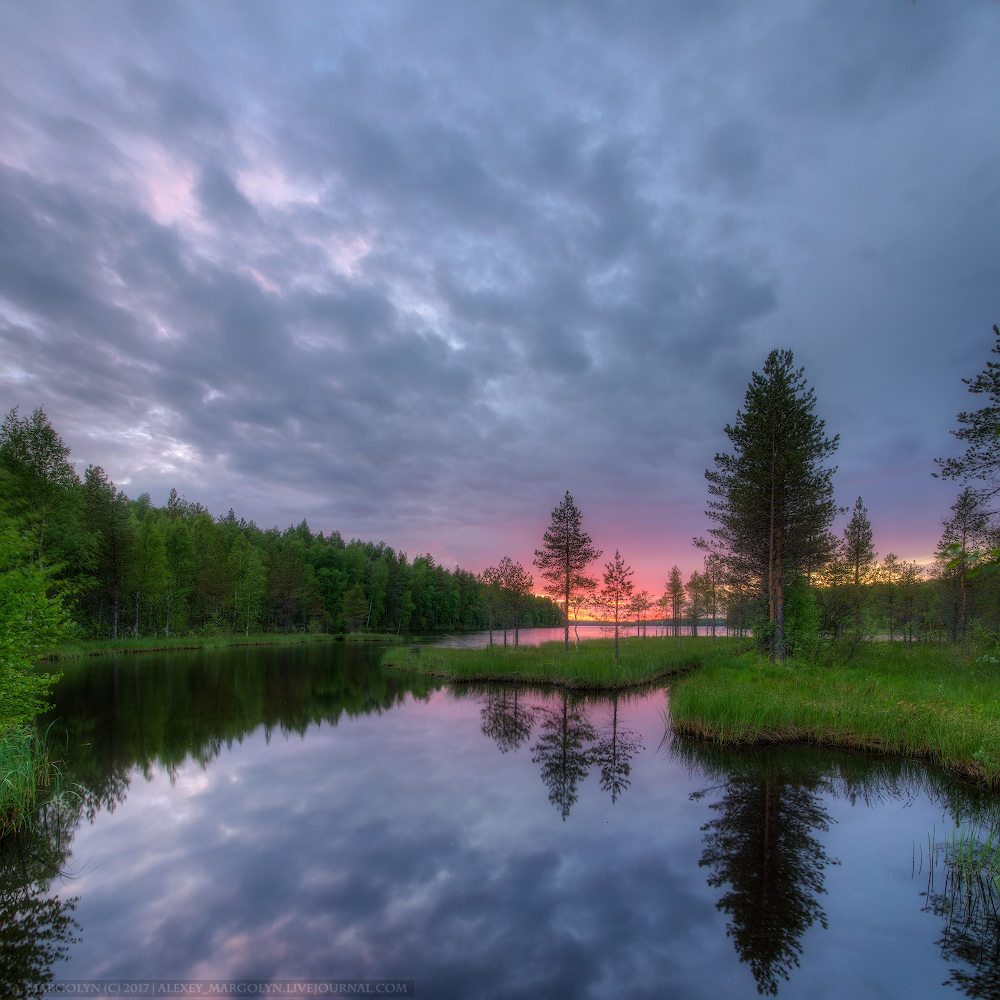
[{"x": 412, "y": 271}]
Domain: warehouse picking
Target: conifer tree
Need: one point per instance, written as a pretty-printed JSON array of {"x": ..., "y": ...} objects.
[
  {"x": 673, "y": 598},
  {"x": 859, "y": 554},
  {"x": 613, "y": 600},
  {"x": 566, "y": 552},
  {"x": 980, "y": 430},
  {"x": 772, "y": 497},
  {"x": 965, "y": 532}
]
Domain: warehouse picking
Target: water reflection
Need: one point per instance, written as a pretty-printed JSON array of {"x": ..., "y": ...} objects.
[
  {"x": 36, "y": 930},
  {"x": 563, "y": 753},
  {"x": 505, "y": 721},
  {"x": 762, "y": 845},
  {"x": 569, "y": 744},
  {"x": 613, "y": 754},
  {"x": 413, "y": 845}
]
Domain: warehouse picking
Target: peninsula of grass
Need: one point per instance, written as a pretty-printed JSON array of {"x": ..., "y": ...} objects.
[
  {"x": 934, "y": 702},
  {"x": 591, "y": 668},
  {"x": 75, "y": 649}
]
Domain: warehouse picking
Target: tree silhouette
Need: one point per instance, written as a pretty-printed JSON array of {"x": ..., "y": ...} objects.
[
  {"x": 762, "y": 846},
  {"x": 566, "y": 552},
  {"x": 561, "y": 750}
]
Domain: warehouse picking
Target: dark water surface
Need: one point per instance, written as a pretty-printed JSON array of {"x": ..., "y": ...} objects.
[{"x": 298, "y": 814}]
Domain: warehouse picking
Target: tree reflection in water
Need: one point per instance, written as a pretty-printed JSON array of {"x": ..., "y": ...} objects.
[
  {"x": 505, "y": 721},
  {"x": 568, "y": 746},
  {"x": 613, "y": 754},
  {"x": 761, "y": 845},
  {"x": 563, "y": 753},
  {"x": 35, "y": 930}
]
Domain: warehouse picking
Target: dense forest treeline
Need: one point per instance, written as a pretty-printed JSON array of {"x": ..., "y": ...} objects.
[{"x": 131, "y": 568}]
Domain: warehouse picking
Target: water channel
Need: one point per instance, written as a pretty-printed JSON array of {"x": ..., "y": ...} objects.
[{"x": 298, "y": 813}]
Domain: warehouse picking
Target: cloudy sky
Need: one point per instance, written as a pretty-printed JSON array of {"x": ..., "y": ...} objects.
[{"x": 413, "y": 270}]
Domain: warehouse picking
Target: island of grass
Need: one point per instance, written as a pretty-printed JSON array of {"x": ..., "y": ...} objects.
[
  {"x": 591, "y": 668},
  {"x": 75, "y": 648},
  {"x": 940, "y": 703}
]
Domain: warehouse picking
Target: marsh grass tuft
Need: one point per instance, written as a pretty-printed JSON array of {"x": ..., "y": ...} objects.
[{"x": 591, "y": 668}]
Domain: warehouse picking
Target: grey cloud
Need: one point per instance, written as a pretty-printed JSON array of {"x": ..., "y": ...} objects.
[{"x": 429, "y": 257}]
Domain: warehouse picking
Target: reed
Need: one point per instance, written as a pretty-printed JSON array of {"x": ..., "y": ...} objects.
[
  {"x": 933, "y": 702},
  {"x": 26, "y": 775},
  {"x": 592, "y": 667}
]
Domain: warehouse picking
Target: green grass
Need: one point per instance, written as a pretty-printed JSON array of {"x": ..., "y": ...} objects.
[
  {"x": 592, "y": 668},
  {"x": 934, "y": 703},
  {"x": 25, "y": 773},
  {"x": 105, "y": 647}
]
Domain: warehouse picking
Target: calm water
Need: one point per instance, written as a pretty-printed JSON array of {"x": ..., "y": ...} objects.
[{"x": 297, "y": 814}]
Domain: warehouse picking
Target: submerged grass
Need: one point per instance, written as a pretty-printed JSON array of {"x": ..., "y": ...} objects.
[
  {"x": 105, "y": 647},
  {"x": 932, "y": 702},
  {"x": 26, "y": 773},
  {"x": 590, "y": 668}
]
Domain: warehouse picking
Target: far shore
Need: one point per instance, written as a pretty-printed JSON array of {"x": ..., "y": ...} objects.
[{"x": 78, "y": 648}]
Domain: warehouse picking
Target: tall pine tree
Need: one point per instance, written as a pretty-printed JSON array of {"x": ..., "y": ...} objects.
[
  {"x": 566, "y": 552},
  {"x": 772, "y": 497}
]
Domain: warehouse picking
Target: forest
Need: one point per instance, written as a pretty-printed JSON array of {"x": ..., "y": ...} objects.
[{"x": 126, "y": 567}]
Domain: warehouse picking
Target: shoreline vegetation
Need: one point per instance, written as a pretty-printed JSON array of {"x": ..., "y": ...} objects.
[
  {"x": 936, "y": 703},
  {"x": 79, "y": 648},
  {"x": 592, "y": 668}
]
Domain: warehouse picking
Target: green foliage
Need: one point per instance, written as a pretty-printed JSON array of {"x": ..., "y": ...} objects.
[
  {"x": 141, "y": 571},
  {"x": 801, "y": 621},
  {"x": 30, "y": 622}
]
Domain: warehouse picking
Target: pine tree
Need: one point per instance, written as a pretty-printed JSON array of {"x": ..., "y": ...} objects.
[
  {"x": 980, "y": 430},
  {"x": 613, "y": 600},
  {"x": 673, "y": 598},
  {"x": 772, "y": 498},
  {"x": 965, "y": 532},
  {"x": 566, "y": 552},
  {"x": 859, "y": 554}
]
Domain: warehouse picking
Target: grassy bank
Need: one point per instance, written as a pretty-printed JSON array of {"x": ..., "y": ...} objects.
[
  {"x": 105, "y": 647},
  {"x": 641, "y": 661},
  {"x": 935, "y": 703}
]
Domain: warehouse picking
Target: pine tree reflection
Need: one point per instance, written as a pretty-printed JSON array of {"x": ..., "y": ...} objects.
[
  {"x": 613, "y": 754},
  {"x": 762, "y": 846},
  {"x": 35, "y": 931},
  {"x": 505, "y": 721},
  {"x": 563, "y": 753}
]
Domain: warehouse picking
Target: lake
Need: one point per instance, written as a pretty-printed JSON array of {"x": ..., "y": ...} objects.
[{"x": 297, "y": 814}]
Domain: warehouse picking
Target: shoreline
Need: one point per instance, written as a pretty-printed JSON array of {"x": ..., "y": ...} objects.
[
  {"x": 83, "y": 648},
  {"x": 936, "y": 704}
]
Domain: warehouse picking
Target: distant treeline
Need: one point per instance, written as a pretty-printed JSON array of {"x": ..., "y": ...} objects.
[{"x": 132, "y": 568}]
